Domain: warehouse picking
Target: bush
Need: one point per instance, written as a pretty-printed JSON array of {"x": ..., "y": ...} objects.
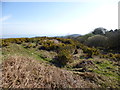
[
  {"x": 69, "y": 48},
  {"x": 4, "y": 43},
  {"x": 90, "y": 51},
  {"x": 29, "y": 45},
  {"x": 63, "y": 58},
  {"x": 114, "y": 40},
  {"x": 115, "y": 57},
  {"x": 82, "y": 39},
  {"x": 51, "y": 47},
  {"x": 58, "y": 47},
  {"x": 97, "y": 41},
  {"x": 65, "y": 41}
]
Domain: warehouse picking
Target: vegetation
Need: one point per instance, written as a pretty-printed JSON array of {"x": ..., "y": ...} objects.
[
  {"x": 63, "y": 58},
  {"x": 97, "y": 41},
  {"x": 92, "y": 59},
  {"x": 102, "y": 39}
]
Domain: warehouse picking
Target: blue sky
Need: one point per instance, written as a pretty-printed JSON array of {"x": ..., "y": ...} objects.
[{"x": 57, "y": 18}]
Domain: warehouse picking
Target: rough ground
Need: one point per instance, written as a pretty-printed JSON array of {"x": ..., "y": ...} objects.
[{"x": 20, "y": 72}]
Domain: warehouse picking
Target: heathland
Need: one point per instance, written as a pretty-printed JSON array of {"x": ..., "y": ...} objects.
[{"x": 82, "y": 61}]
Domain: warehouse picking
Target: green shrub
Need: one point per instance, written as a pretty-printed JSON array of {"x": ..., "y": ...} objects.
[
  {"x": 90, "y": 51},
  {"x": 113, "y": 39},
  {"x": 69, "y": 47},
  {"x": 97, "y": 41},
  {"x": 51, "y": 47},
  {"x": 65, "y": 41},
  {"x": 83, "y": 38},
  {"x": 4, "y": 43},
  {"x": 115, "y": 57},
  {"x": 29, "y": 45},
  {"x": 63, "y": 58}
]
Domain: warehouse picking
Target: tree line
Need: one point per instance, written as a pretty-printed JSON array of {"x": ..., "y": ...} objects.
[{"x": 102, "y": 38}]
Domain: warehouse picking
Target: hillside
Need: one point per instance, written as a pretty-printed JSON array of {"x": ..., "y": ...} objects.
[
  {"x": 71, "y": 36},
  {"x": 52, "y": 62},
  {"x": 20, "y": 72}
]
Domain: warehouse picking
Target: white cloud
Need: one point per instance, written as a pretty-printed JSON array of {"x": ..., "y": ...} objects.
[{"x": 4, "y": 18}]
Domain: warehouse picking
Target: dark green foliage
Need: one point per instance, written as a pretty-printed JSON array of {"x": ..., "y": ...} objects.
[
  {"x": 4, "y": 43},
  {"x": 99, "y": 30},
  {"x": 102, "y": 39},
  {"x": 111, "y": 56},
  {"x": 83, "y": 38},
  {"x": 97, "y": 41},
  {"x": 90, "y": 51},
  {"x": 51, "y": 47},
  {"x": 29, "y": 45},
  {"x": 63, "y": 58},
  {"x": 65, "y": 41},
  {"x": 113, "y": 39}
]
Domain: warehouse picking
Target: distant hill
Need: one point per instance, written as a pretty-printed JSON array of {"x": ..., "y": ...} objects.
[
  {"x": 69, "y": 36},
  {"x": 73, "y": 35}
]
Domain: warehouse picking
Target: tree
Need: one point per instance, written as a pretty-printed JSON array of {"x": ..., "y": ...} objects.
[
  {"x": 113, "y": 39},
  {"x": 99, "y": 30}
]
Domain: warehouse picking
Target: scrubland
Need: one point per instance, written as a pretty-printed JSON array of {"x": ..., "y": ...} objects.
[{"x": 51, "y": 62}]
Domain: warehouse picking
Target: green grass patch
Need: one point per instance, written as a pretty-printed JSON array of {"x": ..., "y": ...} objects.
[
  {"x": 15, "y": 49},
  {"x": 107, "y": 68}
]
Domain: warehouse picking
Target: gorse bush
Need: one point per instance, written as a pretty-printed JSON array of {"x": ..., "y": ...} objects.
[
  {"x": 117, "y": 57},
  {"x": 65, "y": 41},
  {"x": 51, "y": 47},
  {"x": 63, "y": 58},
  {"x": 4, "y": 43},
  {"x": 90, "y": 51},
  {"x": 111, "y": 56},
  {"x": 70, "y": 48},
  {"x": 29, "y": 45}
]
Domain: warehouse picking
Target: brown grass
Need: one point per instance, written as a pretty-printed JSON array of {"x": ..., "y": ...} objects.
[{"x": 21, "y": 72}]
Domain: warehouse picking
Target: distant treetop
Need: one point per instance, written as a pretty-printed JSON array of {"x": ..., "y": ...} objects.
[{"x": 99, "y": 30}]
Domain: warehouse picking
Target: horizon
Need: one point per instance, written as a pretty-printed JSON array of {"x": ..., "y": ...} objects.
[{"x": 57, "y": 18}]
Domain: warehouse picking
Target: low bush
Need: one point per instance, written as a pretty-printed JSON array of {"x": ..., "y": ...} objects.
[
  {"x": 29, "y": 45},
  {"x": 4, "y": 43},
  {"x": 97, "y": 41},
  {"x": 50, "y": 47},
  {"x": 65, "y": 41},
  {"x": 63, "y": 58},
  {"x": 90, "y": 51},
  {"x": 115, "y": 57}
]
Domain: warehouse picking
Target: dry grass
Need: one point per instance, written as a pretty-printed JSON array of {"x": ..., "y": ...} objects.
[{"x": 21, "y": 72}]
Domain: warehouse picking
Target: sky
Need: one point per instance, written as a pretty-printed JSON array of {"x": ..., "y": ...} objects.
[{"x": 57, "y": 18}]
